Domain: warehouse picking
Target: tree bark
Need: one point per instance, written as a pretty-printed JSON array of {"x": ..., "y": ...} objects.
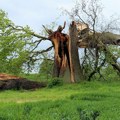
[{"x": 75, "y": 62}]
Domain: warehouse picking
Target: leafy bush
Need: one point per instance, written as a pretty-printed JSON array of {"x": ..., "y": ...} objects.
[{"x": 55, "y": 82}]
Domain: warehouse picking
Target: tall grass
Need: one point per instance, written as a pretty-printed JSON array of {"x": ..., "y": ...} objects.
[{"x": 85, "y": 101}]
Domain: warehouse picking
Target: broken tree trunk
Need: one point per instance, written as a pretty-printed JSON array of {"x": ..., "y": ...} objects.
[
  {"x": 75, "y": 62},
  {"x": 66, "y": 54},
  {"x": 13, "y": 82}
]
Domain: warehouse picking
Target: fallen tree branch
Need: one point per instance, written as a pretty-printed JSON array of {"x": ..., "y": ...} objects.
[{"x": 91, "y": 44}]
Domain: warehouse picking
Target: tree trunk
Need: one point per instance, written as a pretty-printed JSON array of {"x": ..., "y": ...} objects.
[
  {"x": 75, "y": 62},
  {"x": 67, "y": 50}
]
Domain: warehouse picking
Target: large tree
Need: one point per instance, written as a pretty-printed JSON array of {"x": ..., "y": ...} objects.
[{"x": 86, "y": 31}]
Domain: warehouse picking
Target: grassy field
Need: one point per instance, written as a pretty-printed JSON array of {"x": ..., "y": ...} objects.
[{"x": 83, "y": 101}]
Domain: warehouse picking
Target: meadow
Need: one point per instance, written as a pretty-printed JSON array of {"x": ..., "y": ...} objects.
[{"x": 84, "y": 101}]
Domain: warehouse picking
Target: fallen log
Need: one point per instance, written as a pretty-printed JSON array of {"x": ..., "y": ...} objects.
[
  {"x": 13, "y": 82},
  {"x": 91, "y": 44}
]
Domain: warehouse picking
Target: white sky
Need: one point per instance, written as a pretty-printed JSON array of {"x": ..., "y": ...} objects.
[{"x": 35, "y": 13}]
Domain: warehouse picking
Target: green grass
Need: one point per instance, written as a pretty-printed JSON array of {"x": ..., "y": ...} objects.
[
  {"x": 36, "y": 77},
  {"x": 67, "y": 102}
]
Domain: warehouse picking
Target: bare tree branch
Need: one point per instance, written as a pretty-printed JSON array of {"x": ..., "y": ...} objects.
[
  {"x": 43, "y": 51},
  {"x": 49, "y": 31},
  {"x": 97, "y": 70},
  {"x": 38, "y": 42},
  {"x": 20, "y": 28},
  {"x": 36, "y": 53}
]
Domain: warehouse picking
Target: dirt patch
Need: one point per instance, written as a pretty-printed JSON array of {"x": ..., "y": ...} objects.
[{"x": 14, "y": 82}]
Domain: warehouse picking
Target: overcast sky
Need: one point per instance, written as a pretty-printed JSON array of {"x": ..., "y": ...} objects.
[{"x": 37, "y": 12}]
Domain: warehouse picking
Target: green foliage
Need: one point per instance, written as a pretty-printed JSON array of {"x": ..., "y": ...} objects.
[
  {"x": 110, "y": 74},
  {"x": 46, "y": 68},
  {"x": 14, "y": 46}
]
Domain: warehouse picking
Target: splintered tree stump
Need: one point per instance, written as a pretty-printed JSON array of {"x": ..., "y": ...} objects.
[
  {"x": 14, "y": 82},
  {"x": 62, "y": 56},
  {"x": 75, "y": 62},
  {"x": 66, "y": 53},
  {"x": 60, "y": 43}
]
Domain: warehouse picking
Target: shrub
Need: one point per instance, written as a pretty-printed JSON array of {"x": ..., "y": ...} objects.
[{"x": 55, "y": 82}]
